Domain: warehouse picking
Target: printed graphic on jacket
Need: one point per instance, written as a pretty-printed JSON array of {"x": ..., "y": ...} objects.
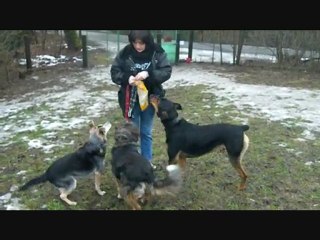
[{"x": 140, "y": 67}]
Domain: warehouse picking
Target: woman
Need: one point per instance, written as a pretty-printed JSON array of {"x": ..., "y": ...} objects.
[{"x": 141, "y": 61}]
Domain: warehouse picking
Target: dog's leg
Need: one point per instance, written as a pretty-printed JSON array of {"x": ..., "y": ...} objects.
[
  {"x": 97, "y": 183},
  {"x": 243, "y": 151},
  {"x": 118, "y": 184},
  {"x": 64, "y": 192},
  {"x": 176, "y": 157},
  {"x": 179, "y": 159},
  {"x": 154, "y": 102},
  {"x": 182, "y": 161},
  {"x": 132, "y": 201},
  {"x": 236, "y": 162},
  {"x": 147, "y": 197}
]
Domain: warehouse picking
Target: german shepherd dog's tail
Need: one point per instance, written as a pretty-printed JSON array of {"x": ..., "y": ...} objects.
[
  {"x": 171, "y": 184},
  {"x": 41, "y": 179}
]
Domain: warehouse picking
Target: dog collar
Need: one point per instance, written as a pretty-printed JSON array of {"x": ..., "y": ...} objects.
[
  {"x": 174, "y": 121},
  {"x": 126, "y": 144}
]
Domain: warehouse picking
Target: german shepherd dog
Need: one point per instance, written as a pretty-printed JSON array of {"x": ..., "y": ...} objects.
[
  {"x": 134, "y": 174},
  {"x": 89, "y": 158},
  {"x": 187, "y": 140}
]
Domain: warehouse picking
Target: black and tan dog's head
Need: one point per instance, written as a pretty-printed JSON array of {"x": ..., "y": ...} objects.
[
  {"x": 126, "y": 133},
  {"x": 165, "y": 109}
]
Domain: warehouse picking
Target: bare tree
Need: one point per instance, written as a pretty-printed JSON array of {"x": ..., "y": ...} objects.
[
  {"x": 72, "y": 40},
  {"x": 60, "y": 33},
  {"x": 241, "y": 39},
  {"x": 234, "y": 46},
  {"x": 220, "y": 44},
  {"x": 201, "y": 33},
  {"x": 263, "y": 38},
  {"x": 27, "y": 36},
  {"x": 279, "y": 41},
  {"x": 43, "y": 39},
  {"x": 272, "y": 39}
]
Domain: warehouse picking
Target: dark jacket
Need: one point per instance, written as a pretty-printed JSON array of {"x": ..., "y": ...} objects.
[{"x": 159, "y": 72}]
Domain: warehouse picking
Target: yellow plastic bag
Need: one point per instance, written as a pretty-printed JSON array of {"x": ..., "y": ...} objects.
[{"x": 143, "y": 95}]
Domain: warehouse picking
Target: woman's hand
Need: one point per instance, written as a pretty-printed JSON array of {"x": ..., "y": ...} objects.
[
  {"x": 142, "y": 75},
  {"x": 133, "y": 81}
]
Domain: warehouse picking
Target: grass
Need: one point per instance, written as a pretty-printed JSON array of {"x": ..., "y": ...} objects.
[{"x": 275, "y": 162}]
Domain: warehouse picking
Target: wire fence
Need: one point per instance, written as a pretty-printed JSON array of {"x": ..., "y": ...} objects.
[{"x": 114, "y": 41}]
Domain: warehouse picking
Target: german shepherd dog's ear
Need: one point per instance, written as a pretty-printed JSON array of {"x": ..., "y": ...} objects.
[
  {"x": 134, "y": 130},
  {"x": 127, "y": 132},
  {"x": 102, "y": 130},
  {"x": 91, "y": 124},
  {"x": 177, "y": 106}
]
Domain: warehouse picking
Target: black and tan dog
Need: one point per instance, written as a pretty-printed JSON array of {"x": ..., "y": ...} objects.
[
  {"x": 134, "y": 174},
  {"x": 185, "y": 140},
  {"x": 89, "y": 158}
]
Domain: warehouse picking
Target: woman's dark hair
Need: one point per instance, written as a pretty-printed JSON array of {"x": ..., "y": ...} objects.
[{"x": 144, "y": 35}]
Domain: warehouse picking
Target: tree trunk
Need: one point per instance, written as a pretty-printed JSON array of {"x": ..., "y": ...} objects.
[
  {"x": 61, "y": 42},
  {"x": 220, "y": 44},
  {"x": 212, "y": 60},
  {"x": 191, "y": 36},
  {"x": 35, "y": 36},
  {"x": 201, "y": 35},
  {"x": 72, "y": 40},
  {"x": 27, "y": 51},
  {"x": 234, "y": 47},
  {"x": 43, "y": 42},
  {"x": 242, "y": 36},
  {"x": 279, "y": 42}
]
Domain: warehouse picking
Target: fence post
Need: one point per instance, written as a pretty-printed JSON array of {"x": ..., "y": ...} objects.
[
  {"x": 107, "y": 42},
  {"x": 177, "y": 48},
  {"x": 190, "y": 44},
  {"x": 159, "y": 36},
  {"x": 84, "y": 52},
  {"x": 118, "y": 41}
]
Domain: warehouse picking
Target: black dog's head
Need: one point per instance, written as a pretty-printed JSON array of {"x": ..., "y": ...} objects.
[
  {"x": 165, "y": 109},
  {"x": 126, "y": 133}
]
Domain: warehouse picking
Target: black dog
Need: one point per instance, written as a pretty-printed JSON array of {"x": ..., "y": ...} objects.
[
  {"x": 134, "y": 175},
  {"x": 186, "y": 140},
  {"x": 87, "y": 159}
]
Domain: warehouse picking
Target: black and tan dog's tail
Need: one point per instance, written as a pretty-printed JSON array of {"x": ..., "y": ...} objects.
[
  {"x": 245, "y": 127},
  {"x": 34, "y": 181},
  {"x": 171, "y": 184}
]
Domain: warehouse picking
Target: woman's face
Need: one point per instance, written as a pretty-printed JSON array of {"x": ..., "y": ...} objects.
[{"x": 139, "y": 46}]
